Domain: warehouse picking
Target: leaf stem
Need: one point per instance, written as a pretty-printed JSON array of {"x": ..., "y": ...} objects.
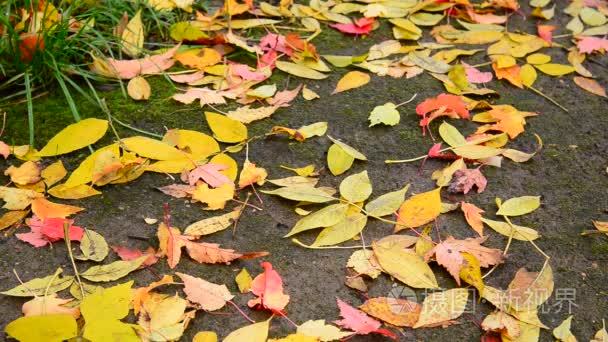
[
  {"x": 548, "y": 98},
  {"x": 68, "y": 244}
]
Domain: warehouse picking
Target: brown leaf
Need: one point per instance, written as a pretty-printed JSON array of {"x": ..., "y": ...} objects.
[
  {"x": 465, "y": 179},
  {"x": 396, "y": 311}
]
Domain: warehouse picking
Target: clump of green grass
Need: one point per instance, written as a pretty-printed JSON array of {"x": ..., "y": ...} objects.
[{"x": 46, "y": 45}]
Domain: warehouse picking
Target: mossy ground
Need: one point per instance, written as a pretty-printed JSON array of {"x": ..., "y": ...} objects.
[{"x": 569, "y": 173}]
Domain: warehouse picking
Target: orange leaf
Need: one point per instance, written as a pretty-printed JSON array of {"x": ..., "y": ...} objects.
[
  {"x": 142, "y": 294},
  {"x": 511, "y": 74},
  {"x": 44, "y": 209},
  {"x": 473, "y": 216}
]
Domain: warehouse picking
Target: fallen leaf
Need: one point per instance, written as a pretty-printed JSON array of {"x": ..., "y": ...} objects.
[
  {"x": 448, "y": 254},
  {"x": 102, "y": 312},
  {"x": 396, "y": 311},
  {"x": 243, "y": 281},
  {"x": 356, "y": 188},
  {"x": 93, "y": 246},
  {"x": 246, "y": 114},
  {"x": 138, "y": 88},
  {"x": 441, "y": 307},
  {"x": 300, "y": 70},
  {"x": 41, "y": 286},
  {"x": 251, "y": 174},
  {"x": 112, "y": 271},
  {"x": 351, "y": 80},
  {"x": 322, "y": 331},
  {"x": 132, "y": 38},
  {"x": 128, "y": 254},
  {"x": 212, "y": 224},
  {"x": 26, "y": 173},
  {"x": 49, "y": 305},
  {"x": 443, "y": 105},
  {"x": 256, "y": 332},
  {"x": 590, "y": 85},
  {"x": 12, "y": 217},
  {"x": 562, "y": 332},
  {"x": 52, "y": 328},
  {"x": 75, "y": 137},
  {"x": 268, "y": 286},
  {"x": 519, "y": 206},
  {"x": 44, "y": 209},
  {"x": 472, "y": 214},
  {"x": 325, "y": 217},
  {"x": 418, "y": 210},
  {"x": 465, "y": 179},
  {"x": 404, "y": 264},
  {"x": 385, "y": 114},
  {"x": 359, "y": 322},
  {"x": 208, "y": 295}
]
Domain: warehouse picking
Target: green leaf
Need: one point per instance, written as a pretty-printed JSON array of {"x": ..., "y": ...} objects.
[
  {"x": 519, "y": 206},
  {"x": 300, "y": 70},
  {"x": 325, "y": 217},
  {"x": 113, "y": 271},
  {"x": 451, "y": 135},
  {"x": 404, "y": 264},
  {"x": 342, "y": 231},
  {"x": 348, "y": 149},
  {"x": 521, "y": 233},
  {"x": 38, "y": 286},
  {"x": 338, "y": 160},
  {"x": 386, "y": 204},
  {"x": 184, "y": 30},
  {"x": 385, "y": 114},
  {"x": 93, "y": 246},
  {"x": 304, "y": 193},
  {"x": 356, "y": 188}
]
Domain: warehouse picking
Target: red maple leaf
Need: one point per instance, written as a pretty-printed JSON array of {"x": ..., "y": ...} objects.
[
  {"x": 359, "y": 26},
  {"x": 268, "y": 286},
  {"x": 443, "y": 105},
  {"x": 49, "y": 230},
  {"x": 357, "y": 321}
]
